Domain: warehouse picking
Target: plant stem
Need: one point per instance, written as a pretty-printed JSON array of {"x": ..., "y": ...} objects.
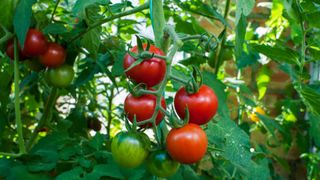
[
  {"x": 46, "y": 117},
  {"x": 6, "y": 36},
  {"x": 54, "y": 10},
  {"x": 221, "y": 45},
  {"x": 175, "y": 78},
  {"x": 22, "y": 148},
  {"x": 9, "y": 154},
  {"x": 99, "y": 23},
  {"x": 110, "y": 99},
  {"x": 303, "y": 48},
  {"x": 176, "y": 45},
  {"x": 193, "y": 37}
]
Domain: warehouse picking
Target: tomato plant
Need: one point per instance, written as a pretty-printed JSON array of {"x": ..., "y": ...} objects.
[
  {"x": 150, "y": 71},
  {"x": 202, "y": 105},
  {"x": 54, "y": 56},
  {"x": 129, "y": 149},
  {"x": 35, "y": 43},
  {"x": 61, "y": 76},
  {"x": 160, "y": 164},
  {"x": 187, "y": 144},
  {"x": 142, "y": 108}
]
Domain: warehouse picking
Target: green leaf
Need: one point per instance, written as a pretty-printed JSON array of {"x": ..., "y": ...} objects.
[
  {"x": 80, "y": 5},
  {"x": 91, "y": 40},
  {"x": 7, "y": 8},
  {"x": 311, "y": 99},
  {"x": 200, "y": 8},
  {"x": 20, "y": 172},
  {"x": 240, "y": 37},
  {"x": 117, "y": 69},
  {"x": 280, "y": 54},
  {"x": 43, "y": 160},
  {"x": 314, "y": 128},
  {"x": 97, "y": 141},
  {"x": 158, "y": 22},
  {"x": 105, "y": 170},
  {"x": 244, "y": 8},
  {"x": 218, "y": 87},
  {"x": 73, "y": 174},
  {"x": 234, "y": 141},
  {"x": 22, "y": 19},
  {"x": 263, "y": 80},
  {"x": 55, "y": 28}
]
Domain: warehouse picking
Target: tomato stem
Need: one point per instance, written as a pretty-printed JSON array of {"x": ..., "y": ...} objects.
[
  {"x": 54, "y": 10},
  {"x": 222, "y": 44},
  {"x": 22, "y": 148},
  {"x": 8, "y": 35},
  {"x": 46, "y": 117},
  {"x": 115, "y": 16},
  {"x": 9, "y": 154},
  {"x": 175, "y": 78}
]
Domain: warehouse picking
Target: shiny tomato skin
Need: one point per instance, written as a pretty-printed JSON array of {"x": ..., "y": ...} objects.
[
  {"x": 35, "y": 43},
  {"x": 10, "y": 51},
  {"x": 60, "y": 77},
  {"x": 130, "y": 149},
  {"x": 54, "y": 56},
  {"x": 202, "y": 105},
  {"x": 187, "y": 144},
  {"x": 150, "y": 72},
  {"x": 159, "y": 163},
  {"x": 143, "y": 107}
]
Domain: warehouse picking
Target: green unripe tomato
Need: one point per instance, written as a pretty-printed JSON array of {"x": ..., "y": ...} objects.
[
  {"x": 160, "y": 164},
  {"x": 60, "y": 77},
  {"x": 130, "y": 149}
]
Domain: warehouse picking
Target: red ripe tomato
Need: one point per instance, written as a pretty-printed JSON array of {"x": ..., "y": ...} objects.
[
  {"x": 54, "y": 56},
  {"x": 187, "y": 144},
  {"x": 143, "y": 108},
  {"x": 150, "y": 72},
  {"x": 202, "y": 105},
  {"x": 10, "y": 50},
  {"x": 35, "y": 43}
]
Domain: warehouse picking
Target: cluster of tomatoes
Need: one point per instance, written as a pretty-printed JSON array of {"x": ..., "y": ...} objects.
[
  {"x": 51, "y": 55},
  {"x": 186, "y": 144}
]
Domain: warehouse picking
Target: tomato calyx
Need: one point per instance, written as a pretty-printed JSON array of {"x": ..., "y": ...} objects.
[
  {"x": 175, "y": 122},
  {"x": 195, "y": 82},
  {"x": 142, "y": 54}
]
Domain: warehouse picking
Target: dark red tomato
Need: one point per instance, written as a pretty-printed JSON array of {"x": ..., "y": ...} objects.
[
  {"x": 94, "y": 124},
  {"x": 35, "y": 43},
  {"x": 202, "y": 105},
  {"x": 10, "y": 50},
  {"x": 143, "y": 108},
  {"x": 54, "y": 56},
  {"x": 187, "y": 144},
  {"x": 150, "y": 72}
]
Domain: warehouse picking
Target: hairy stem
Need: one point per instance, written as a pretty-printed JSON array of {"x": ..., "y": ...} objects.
[{"x": 22, "y": 148}]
